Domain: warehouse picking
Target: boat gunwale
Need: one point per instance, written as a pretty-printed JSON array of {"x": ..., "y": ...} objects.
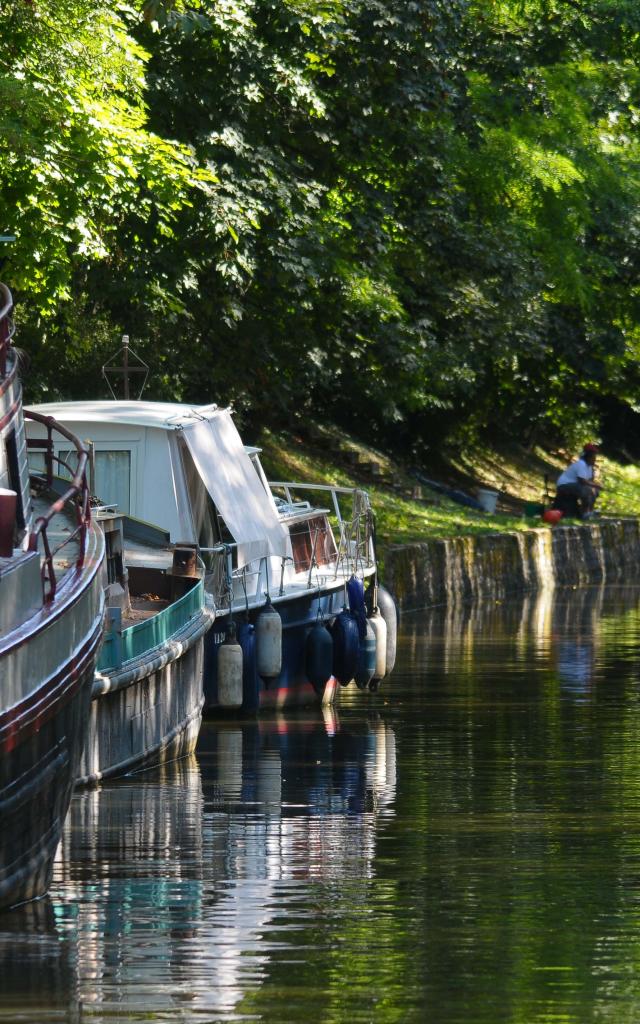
[
  {"x": 73, "y": 586},
  {"x": 40, "y": 704},
  {"x": 132, "y": 670}
]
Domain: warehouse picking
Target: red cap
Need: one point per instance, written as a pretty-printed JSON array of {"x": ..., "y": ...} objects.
[{"x": 590, "y": 447}]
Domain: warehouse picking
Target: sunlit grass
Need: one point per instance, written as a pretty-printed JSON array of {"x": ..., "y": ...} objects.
[
  {"x": 621, "y": 493},
  {"x": 401, "y": 517}
]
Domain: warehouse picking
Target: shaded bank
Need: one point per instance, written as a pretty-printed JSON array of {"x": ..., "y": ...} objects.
[{"x": 496, "y": 565}]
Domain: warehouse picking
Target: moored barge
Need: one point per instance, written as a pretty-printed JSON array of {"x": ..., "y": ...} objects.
[{"x": 51, "y": 616}]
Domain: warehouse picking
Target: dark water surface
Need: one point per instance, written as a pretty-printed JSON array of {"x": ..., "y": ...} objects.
[{"x": 464, "y": 847}]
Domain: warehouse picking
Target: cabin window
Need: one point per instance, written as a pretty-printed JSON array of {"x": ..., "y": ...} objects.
[
  {"x": 312, "y": 539},
  {"x": 257, "y": 465},
  {"x": 113, "y": 479},
  {"x": 113, "y": 476}
]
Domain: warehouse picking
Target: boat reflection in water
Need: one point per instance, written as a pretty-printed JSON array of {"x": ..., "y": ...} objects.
[
  {"x": 307, "y": 790},
  {"x": 167, "y": 882}
]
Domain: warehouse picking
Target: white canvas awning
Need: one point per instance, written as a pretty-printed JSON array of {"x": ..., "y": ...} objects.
[{"x": 238, "y": 494}]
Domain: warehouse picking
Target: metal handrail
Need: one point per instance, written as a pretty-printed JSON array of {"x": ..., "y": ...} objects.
[
  {"x": 223, "y": 575},
  {"x": 78, "y": 490},
  {"x": 356, "y": 533},
  {"x": 303, "y": 486},
  {"x": 288, "y": 486}
]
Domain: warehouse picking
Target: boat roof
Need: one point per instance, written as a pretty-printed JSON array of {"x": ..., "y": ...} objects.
[
  {"x": 161, "y": 415},
  {"x": 169, "y": 415}
]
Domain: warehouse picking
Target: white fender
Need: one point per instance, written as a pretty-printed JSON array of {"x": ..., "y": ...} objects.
[
  {"x": 269, "y": 642},
  {"x": 379, "y": 627},
  {"x": 230, "y": 673}
]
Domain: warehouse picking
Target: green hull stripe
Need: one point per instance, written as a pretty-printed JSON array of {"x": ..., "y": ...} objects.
[{"x": 145, "y": 636}]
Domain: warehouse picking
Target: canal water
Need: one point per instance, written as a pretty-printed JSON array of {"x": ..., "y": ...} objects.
[{"x": 462, "y": 847}]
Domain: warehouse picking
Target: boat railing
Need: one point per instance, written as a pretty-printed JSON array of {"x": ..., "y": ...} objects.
[
  {"x": 229, "y": 586},
  {"x": 77, "y": 493},
  {"x": 7, "y": 328},
  {"x": 218, "y": 562},
  {"x": 227, "y": 583},
  {"x": 354, "y": 524}
]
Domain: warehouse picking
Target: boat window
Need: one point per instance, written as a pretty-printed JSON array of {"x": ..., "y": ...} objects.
[
  {"x": 209, "y": 526},
  {"x": 113, "y": 476},
  {"x": 312, "y": 539},
  {"x": 257, "y": 465}
]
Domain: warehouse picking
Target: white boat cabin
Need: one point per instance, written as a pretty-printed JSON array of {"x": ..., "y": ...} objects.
[{"x": 185, "y": 470}]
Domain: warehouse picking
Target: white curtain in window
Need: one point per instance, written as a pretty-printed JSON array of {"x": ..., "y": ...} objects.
[
  {"x": 113, "y": 479},
  {"x": 113, "y": 476}
]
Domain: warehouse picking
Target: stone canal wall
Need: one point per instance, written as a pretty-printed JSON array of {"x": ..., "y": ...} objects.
[{"x": 495, "y": 565}]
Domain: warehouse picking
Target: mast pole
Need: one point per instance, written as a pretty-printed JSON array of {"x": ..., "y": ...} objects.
[{"x": 125, "y": 350}]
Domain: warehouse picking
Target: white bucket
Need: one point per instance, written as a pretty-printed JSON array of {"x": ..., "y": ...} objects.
[{"x": 487, "y": 500}]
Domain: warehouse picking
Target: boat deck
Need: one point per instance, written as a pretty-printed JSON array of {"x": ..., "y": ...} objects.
[
  {"x": 143, "y": 607},
  {"x": 64, "y": 547}
]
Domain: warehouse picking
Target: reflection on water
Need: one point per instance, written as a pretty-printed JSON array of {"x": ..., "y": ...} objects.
[
  {"x": 464, "y": 849},
  {"x": 307, "y": 797},
  {"x": 37, "y": 966},
  {"x": 166, "y": 881}
]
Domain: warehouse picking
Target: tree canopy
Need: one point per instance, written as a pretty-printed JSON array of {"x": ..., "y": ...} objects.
[{"x": 417, "y": 219}]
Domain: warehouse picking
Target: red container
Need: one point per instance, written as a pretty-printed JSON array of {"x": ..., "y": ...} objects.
[
  {"x": 552, "y": 516},
  {"x": 8, "y": 501}
]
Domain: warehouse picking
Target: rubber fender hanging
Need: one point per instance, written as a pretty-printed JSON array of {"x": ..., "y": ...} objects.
[
  {"x": 355, "y": 594},
  {"x": 387, "y": 607},
  {"x": 366, "y": 665},
  {"x": 230, "y": 671},
  {"x": 379, "y": 627},
  {"x": 250, "y": 677},
  {"x": 269, "y": 642},
  {"x": 346, "y": 643},
  {"x": 318, "y": 657}
]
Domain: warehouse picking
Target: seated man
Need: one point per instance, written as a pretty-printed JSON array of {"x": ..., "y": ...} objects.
[{"x": 576, "y": 489}]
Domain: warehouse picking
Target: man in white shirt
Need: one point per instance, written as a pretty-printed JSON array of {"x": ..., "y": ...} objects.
[{"x": 576, "y": 488}]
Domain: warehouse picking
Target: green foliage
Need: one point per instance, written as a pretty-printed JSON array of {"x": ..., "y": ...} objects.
[
  {"x": 76, "y": 156},
  {"x": 419, "y": 219}
]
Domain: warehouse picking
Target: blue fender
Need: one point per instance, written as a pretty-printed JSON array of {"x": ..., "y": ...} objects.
[
  {"x": 355, "y": 593},
  {"x": 346, "y": 643},
  {"x": 366, "y": 665},
  {"x": 250, "y": 677},
  {"x": 318, "y": 657}
]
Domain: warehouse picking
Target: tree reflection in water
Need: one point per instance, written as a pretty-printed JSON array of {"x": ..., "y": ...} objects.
[{"x": 465, "y": 851}]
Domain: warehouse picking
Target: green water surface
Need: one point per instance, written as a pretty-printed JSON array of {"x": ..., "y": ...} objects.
[{"x": 463, "y": 848}]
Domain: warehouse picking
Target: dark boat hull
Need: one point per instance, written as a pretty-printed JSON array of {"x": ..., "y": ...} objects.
[
  {"x": 291, "y": 688},
  {"x": 41, "y": 743}
]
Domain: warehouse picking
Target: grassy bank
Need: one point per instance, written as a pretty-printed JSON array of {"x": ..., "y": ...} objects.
[{"x": 407, "y": 511}]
